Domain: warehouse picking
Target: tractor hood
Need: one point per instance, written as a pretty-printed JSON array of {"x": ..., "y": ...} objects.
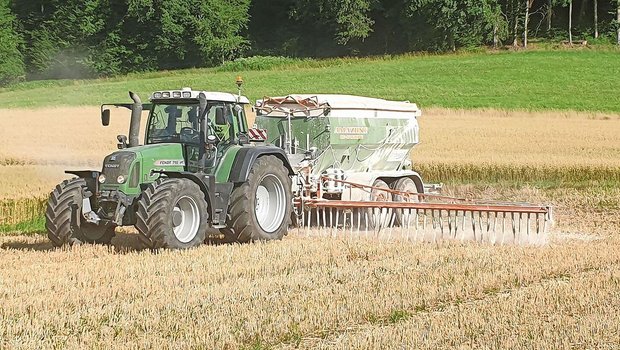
[{"x": 126, "y": 169}]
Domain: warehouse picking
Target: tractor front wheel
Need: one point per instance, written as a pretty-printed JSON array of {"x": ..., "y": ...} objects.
[
  {"x": 261, "y": 207},
  {"x": 172, "y": 213},
  {"x": 60, "y": 205}
]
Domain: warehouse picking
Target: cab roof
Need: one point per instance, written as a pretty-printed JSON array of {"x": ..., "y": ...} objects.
[{"x": 189, "y": 94}]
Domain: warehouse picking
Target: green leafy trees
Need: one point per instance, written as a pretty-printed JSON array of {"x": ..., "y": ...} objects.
[{"x": 11, "y": 60}]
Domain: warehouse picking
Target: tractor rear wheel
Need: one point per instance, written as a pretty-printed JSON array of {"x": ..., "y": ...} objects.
[
  {"x": 405, "y": 184},
  {"x": 58, "y": 217},
  {"x": 260, "y": 208},
  {"x": 172, "y": 213}
]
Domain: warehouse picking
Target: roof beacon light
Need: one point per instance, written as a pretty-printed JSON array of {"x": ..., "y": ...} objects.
[{"x": 239, "y": 83}]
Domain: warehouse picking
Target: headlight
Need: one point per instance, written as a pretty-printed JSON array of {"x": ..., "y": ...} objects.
[
  {"x": 120, "y": 179},
  {"x": 165, "y": 94},
  {"x": 187, "y": 94},
  {"x": 101, "y": 178},
  {"x": 176, "y": 94},
  {"x": 157, "y": 95}
]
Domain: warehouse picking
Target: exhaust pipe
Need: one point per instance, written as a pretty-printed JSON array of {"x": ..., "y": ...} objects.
[{"x": 134, "y": 123}]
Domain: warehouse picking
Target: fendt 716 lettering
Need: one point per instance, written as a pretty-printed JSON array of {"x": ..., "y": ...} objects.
[{"x": 320, "y": 161}]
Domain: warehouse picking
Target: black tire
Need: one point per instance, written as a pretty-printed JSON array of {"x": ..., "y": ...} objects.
[
  {"x": 165, "y": 202},
  {"x": 243, "y": 223},
  {"x": 404, "y": 184},
  {"x": 58, "y": 217},
  {"x": 379, "y": 218}
]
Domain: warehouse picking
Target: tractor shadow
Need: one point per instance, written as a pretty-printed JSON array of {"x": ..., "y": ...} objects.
[
  {"x": 25, "y": 245},
  {"x": 122, "y": 243}
]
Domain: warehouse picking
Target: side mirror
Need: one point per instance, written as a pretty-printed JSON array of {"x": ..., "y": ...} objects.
[
  {"x": 219, "y": 117},
  {"x": 238, "y": 109},
  {"x": 105, "y": 117},
  {"x": 122, "y": 141}
]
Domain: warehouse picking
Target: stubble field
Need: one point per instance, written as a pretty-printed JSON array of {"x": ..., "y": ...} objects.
[{"x": 346, "y": 292}]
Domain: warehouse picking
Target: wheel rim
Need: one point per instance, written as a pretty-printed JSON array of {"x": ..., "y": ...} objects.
[
  {"x": 380, "y": 218},
  {"x": 270, "y": 205},
  {"x": 185, "y": 219}
]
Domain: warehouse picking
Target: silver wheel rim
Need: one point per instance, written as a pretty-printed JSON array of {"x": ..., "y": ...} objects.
[
  {"x": 381, "y": 216},
  {"x": 185, "y": 219},
  {"x": 270, "y": 205}
]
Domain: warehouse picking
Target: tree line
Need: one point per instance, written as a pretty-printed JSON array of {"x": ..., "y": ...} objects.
[{"x": 47, "y": 39}]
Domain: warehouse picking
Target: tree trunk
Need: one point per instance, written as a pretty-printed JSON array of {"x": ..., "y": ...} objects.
[
  {"x": 549, "y": 14},
  {"x": 595, "y": 19},
  {"x": 527, "y": 20},
  {"x": 570, "y": 22},
  {"x": 495, "y": 36},
  {"x": 618, "y": 22},
  {"x": 515, "y": 41}
]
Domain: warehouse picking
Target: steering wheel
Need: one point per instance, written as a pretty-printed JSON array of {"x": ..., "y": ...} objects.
[{"x": 188, "y": 134}]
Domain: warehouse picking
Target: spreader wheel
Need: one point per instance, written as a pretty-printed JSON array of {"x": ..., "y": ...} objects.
[
  {"x": 405, "y": 184},
  {"x": 379, "y": 218}
]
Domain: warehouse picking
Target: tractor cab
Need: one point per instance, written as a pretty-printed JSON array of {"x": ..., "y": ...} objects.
[
  {"x": 206, "y": 124},
  {"x": 177, "y": 117}
]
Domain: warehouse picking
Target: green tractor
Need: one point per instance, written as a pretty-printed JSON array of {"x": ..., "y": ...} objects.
[{"x": 198, "y": 173}]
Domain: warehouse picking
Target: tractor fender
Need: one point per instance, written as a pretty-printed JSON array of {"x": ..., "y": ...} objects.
[
  {"x": 90, "y": 176},
  {"x": 246, "y": 156},
  {"x": 216, "y": 194}
]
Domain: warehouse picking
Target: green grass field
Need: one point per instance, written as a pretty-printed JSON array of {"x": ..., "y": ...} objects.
[{"x": 585, "y": 80}]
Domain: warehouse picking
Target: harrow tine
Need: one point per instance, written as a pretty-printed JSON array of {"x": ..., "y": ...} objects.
[
  {"x": 514, "y": 228},
  {"x": 359, "y": 219},
  {"x": 463, "y": 218},
  {"x": 407, "y": 223},
  {"x": 473, "y": 224},
  {"x": 503, "y": 227},
  {"x": 488, "y": 226},
  {"x": 417, "y": 224},
  {"x": 391, "y": 225},
  {"x": 441, "y": 224},
  {"x": 351, "y": 222},
  {"x": 455, "y": 223},
  {"x": 528, "y": 226},
  {"x": 309, "y": 222},
  {"x": 494, "y": 228},
  {"x": 337, "y": 222}
]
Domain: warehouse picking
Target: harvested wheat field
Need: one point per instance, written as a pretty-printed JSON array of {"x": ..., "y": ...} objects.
[{"x": 311, "y": 291}]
